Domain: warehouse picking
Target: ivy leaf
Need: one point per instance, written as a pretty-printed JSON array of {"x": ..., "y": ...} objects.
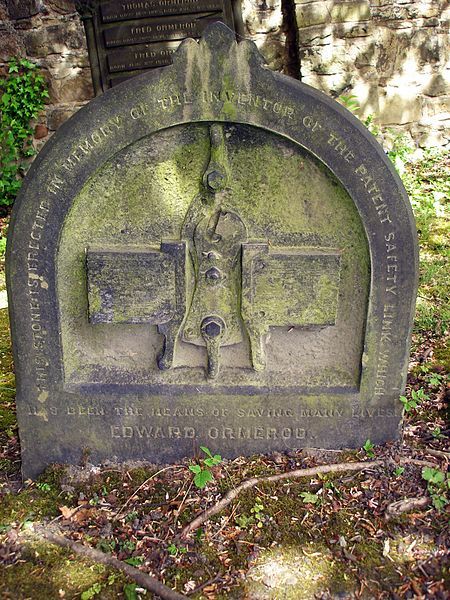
[
  {"x": 309, "y": 498},
  {"x": 195, "y": 468}
]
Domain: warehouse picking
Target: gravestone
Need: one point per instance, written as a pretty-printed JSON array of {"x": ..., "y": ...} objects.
[
  {"x": 126, "y": 38},
  {"x": 211, "y": 253}
]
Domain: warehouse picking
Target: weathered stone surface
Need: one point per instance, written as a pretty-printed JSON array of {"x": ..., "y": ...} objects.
[
  {"x": 315, "y": 13},
  {"x": 57, "y": 116},
  {"x": 22, "y": 9},
  {"x": 390, "y": 63},
  {"x": 69, "y": 84},
  {"x": 213, "y": 254},
  {"x": 9, "y": 45},
  {"x": 262, "y": 17},
  {"x": 40, "y": 131},
  {"x": 56, "y": 39},
  {"x": 62, "y": 6}
]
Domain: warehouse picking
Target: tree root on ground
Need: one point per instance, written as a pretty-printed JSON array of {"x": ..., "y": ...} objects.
[
  {"x": 142, "y": 579},
  {"x": 321, "y": 469},
  {"x": 249, "y": 483},
  {"x": 437, "y": 453}
]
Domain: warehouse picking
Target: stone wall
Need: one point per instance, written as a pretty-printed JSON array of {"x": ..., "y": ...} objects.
[
  {"x": 393, "y": 55},
  {"x": 49, "y": 32}
]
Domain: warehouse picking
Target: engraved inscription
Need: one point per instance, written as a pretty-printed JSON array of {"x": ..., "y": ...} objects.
[
  {"x": 340, "y": 147},
  {"x": 213, "y": 433},
  {"x": 384, "y": 358},
  {"x": 155, "y": 31},
  {"x": 379, "y": 201},
  {"x": 141, "y": 57},
  {"x": 37, "y": 286},
  {"x": 392, "y": 269},
  {"x": 159, "y": 416},
  {"x": 256, "y": 433},
  {"x": 116, "y": 10}
]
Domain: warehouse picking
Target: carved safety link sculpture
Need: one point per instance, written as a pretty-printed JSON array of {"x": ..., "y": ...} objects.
[
  {"x": 214, "y": 235},
  {"x": 213, "y": 287}
]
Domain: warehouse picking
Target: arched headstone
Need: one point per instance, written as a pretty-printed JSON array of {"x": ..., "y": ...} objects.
[{"x": 211, "y": 253}]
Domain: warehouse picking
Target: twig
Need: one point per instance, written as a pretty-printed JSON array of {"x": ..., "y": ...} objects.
[
  {"x": 200, "y": 587},
  {"x": 406, "y": 505},
  {"x": 249, "y": 483},
  {"x": 178, "y": 511},
  {"x": 416, "y": 461},
  {"x": 437, "y": 453},
  {"x": 146, "y": 581}
]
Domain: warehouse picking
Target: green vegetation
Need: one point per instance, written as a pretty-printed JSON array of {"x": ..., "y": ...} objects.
[
  {"x": 413, "y": 402},
  {"x": 23, "y": 93},
  {"x": 428, "y": 184},
  {"x": 368, "y": 448},
  {"x": 202, "y": 471},
  {"x": 438, "y": 485}
]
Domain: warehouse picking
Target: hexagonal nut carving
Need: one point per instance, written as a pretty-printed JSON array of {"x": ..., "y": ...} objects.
[
  {"x": 215, "y": 180},
  {"x": 212, "y": 327},
  {"x": 213, "y": 275}
]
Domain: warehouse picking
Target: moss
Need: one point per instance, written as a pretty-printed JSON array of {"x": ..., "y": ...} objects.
[
  {"x": 29, "y": 505},
  {"x": 442, "y": 353},
  {"x": 166, "y": 170},
  {"x": 35, "y": 502},
  {"x": 47, "y": 571},
  {"x": 7, "y": 379},
  {"x": 7, "y": 418}
]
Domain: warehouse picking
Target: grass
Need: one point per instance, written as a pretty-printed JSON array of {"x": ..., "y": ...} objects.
[{"x": 428, "y": 184}]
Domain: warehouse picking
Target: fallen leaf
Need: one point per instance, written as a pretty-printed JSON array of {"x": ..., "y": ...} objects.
[{"x": 67, "y": 512}]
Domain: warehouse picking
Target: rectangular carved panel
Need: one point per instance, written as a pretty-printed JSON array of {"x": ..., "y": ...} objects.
[
  {"x": 140, "y": 57},
  {"x": 290, "y": 286},
  {"x": 157, "y": 30},
  {"x": 131, "y": 286},
  {"x": 119, "y": 11}
]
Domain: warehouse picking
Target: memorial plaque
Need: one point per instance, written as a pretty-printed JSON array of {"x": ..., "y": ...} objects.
[
  {"x": 211, "y": 253},
  {"x": 125, "y": 38}
]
